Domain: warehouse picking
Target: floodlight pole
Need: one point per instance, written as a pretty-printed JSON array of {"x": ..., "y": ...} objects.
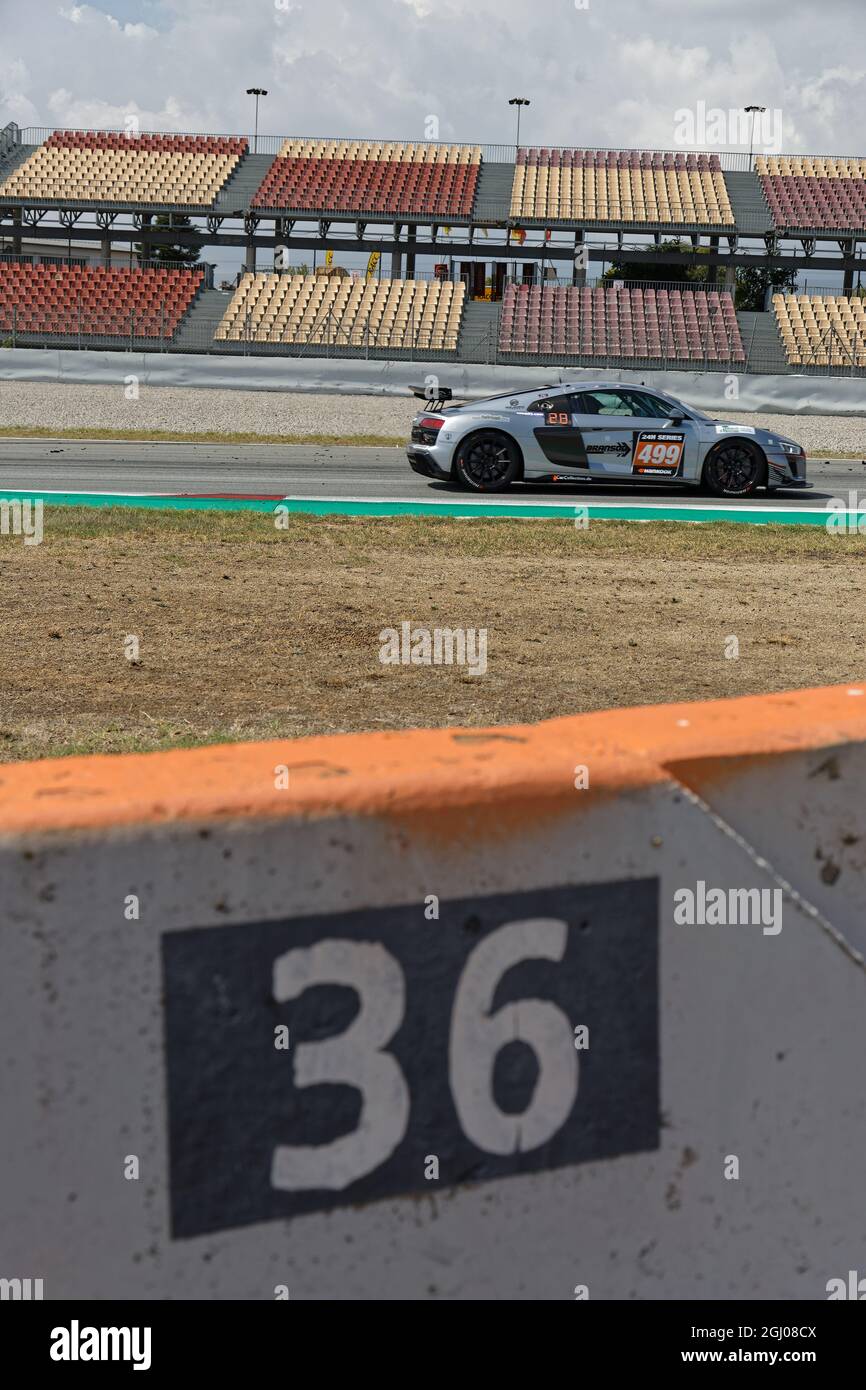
[
  {"x": 256, "y": 92},
  {"x": 518, "y": 102},
  {"x": 752, "y": 111}
]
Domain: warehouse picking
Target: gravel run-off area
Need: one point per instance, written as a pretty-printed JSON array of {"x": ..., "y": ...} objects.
[{"x": 187, "y": 410}]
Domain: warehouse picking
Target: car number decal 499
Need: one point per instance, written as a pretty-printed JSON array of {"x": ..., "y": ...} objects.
[{"x": 658, "y": 452}]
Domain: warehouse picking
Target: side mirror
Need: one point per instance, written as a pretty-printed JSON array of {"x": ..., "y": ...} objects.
[{"x": 677, "y": 419}]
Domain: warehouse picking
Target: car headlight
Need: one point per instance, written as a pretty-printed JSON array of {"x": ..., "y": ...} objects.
[{"x": 793, "y": 449}]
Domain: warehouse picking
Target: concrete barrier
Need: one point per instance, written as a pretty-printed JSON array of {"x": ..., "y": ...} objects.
[
  {"x": 785, "y": 393},
  {"x": 549, "y": 1012}
]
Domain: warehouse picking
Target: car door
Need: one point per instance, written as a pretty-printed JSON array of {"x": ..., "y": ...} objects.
[
  {"x": 630, "y": 433},
  {"x": 557, "y": 436}
]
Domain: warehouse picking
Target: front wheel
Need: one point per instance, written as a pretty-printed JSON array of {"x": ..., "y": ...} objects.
[
  {"x": 734, "y": 469},
  {"x": 487, "y": 462}
]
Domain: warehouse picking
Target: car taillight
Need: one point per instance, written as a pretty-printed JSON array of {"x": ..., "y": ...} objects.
[{"x": 429, "y": 422}]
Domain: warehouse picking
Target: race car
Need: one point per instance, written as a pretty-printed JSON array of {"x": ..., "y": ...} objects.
[{"x": 596, "y": 430}]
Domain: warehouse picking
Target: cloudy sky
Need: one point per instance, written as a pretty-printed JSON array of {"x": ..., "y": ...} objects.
[{"x": 605, "y": 72}]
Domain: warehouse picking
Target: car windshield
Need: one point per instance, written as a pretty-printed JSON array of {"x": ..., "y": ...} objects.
[{"x": 687, "y": 409}]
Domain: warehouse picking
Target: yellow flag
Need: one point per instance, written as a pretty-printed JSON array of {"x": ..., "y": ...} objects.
[
  {"x": 372, "y": 263},
  {"x": 329, "y": 258}
]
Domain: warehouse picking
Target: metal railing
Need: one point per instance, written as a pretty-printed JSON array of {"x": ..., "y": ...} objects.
[
  {"x": 52, "y": 257},
  {"x": 732, "y": 159}
]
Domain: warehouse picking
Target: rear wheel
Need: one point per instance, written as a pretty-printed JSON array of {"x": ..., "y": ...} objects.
[
  {"x": 487, "y": 462},
  {"x": 734, "y": 469}
]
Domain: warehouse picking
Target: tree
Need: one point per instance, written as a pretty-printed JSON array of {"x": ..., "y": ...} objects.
[
  {"x": 651, "y": 270},
  {"x": 753, "y": 283},
  {"x": 182, "y": 253}
]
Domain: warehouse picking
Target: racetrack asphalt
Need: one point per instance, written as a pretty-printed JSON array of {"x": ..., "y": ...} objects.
[{"x": 318, "y": 471}]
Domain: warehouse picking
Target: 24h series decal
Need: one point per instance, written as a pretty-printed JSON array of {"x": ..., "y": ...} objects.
[{"x": 658, "y": 453}]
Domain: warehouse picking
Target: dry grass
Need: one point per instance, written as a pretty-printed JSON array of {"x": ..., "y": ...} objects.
[
  {"x": 373, "y": 441},
  {"x": 249, "y": 632}
]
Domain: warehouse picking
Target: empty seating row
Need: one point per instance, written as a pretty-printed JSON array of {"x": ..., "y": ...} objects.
[
  {"x": 810, "y": 166},
  {"x": 153, "y": 170},
  {"x": 369, "y": 177},
  {"x": 628, "y": 323},
  {"x": 821, "y": 330},
  {"x": 619, "y": 159},
  {"x": 604, "y": 186},
  {"x": 380, "y": 151},
  {"x": 94, "y": 300},
  {"x": 272, "y": 308}
]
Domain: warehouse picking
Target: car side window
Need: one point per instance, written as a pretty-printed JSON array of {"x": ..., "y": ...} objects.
[
  {"x": 605, "y": 403},
  {"x": 547, "y": 404},
  {"x": 649, "y": 406}
]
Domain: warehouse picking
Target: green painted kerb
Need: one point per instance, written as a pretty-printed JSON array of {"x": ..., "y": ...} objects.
[
  {"x": 754, "y": 514},
  {"x": 159, "y": 500}
]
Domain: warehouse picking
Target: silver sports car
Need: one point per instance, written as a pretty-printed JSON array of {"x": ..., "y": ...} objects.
[{"x": 604, "y": 430}]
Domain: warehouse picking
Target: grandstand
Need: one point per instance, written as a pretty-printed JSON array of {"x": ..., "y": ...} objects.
[
  {"x": 371, "y": 176},
  {"x": 392, "y": 314},
  {"x": 98, "y": 167},
  {"x": 632, "y": 323},
  {"x": 503, "y": 224},
  {"x": 813, "y": 194},
  {"x": 95, "y": 301},
  {"x": 620, "y": 186},
  {"x": 821, "y": 330}
]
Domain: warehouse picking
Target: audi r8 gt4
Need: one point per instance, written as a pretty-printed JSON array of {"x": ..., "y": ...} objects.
[{"x": 602, "y": 430}]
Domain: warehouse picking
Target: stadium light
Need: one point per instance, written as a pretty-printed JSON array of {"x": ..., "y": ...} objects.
[
  {"x": 751, "y": 110},
  {"x": 256, "y": 92},
  {"x": 518, "y": 102}
]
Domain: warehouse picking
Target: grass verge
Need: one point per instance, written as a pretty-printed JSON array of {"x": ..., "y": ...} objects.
[
  {"x": 373, "y": 441},
  {"x": 245, "y": 631}
]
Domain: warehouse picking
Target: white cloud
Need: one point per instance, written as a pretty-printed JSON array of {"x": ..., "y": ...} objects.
[{"x": 614, "y": 74}]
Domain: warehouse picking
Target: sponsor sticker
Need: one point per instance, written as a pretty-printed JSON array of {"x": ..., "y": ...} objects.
[
  {"x": 658, "y": 453},
  {"x": 620, "y": 450}
]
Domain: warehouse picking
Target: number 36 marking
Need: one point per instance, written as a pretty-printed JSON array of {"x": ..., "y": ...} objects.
[
  {"x": 357, "y": 1056},
  {"x": 407, "y": 1038}
]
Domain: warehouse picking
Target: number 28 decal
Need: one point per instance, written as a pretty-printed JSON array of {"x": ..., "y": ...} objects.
[{"x": 557, "y": 417}]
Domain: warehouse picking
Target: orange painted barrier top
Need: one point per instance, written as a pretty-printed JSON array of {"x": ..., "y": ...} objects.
[{"x": 423, "y": 773}]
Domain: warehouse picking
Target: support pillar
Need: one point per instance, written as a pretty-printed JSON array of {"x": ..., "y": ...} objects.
[
  {"x": 146, "y": 248},
  {"x": 712, "y": 272},
  {"x": 411, "y": 234},
  {"x": 578, "y": 270}
]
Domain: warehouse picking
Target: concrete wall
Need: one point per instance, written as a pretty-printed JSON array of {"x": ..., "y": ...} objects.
[
  {"x": 786, "y": 394},
  {"x": 305, "y": 901}
]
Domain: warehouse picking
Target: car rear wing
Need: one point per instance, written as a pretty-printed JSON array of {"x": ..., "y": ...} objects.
[{"x": 433, "y": 399}]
